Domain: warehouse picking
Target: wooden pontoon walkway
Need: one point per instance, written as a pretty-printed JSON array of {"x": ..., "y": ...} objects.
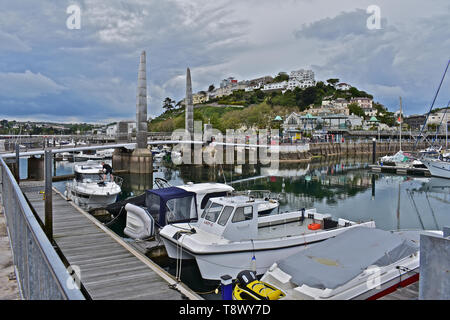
[
  {"x": 109, "y": 267},
  {"x": 401, "y": 170}
]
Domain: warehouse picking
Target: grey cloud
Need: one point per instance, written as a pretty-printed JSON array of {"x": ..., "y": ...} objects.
[
  {"x": 353, "y": 23},
  {"x": 27, "y": 85},
  {"x": 10, "y": 42}
]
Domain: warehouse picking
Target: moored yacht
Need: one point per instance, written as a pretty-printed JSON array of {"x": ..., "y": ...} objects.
[
  {"x": 438, "y": 167},
  {"x": 88, "y": 189},
  {"x": 229, "y": 237}
]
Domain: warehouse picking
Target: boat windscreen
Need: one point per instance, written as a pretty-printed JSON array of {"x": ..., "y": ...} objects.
[
  {"x": 181, "y": 209},
  {"x": 88, "y": 177},
  {"x": 171, "y": 204}
]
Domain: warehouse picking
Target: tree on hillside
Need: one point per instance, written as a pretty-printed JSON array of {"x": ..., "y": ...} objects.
[
  {"x": 333, "y": 81},
  {"x": 282, "y": 76},
  {"x": 168, "y": 104},
  {"x": 211, "y": 88},
  {"x": 355, "y": 109}
]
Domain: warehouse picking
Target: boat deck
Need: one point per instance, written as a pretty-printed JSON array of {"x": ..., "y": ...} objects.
[
  {"x": 109, "y": 267},
  {"x": 290, "y": 229}
]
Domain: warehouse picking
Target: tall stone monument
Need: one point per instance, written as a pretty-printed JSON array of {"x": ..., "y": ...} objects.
[
  {"x": 189, "y": 105},
  {"x": 141, "y": 105},
  {"x": 140, "y": 160}
]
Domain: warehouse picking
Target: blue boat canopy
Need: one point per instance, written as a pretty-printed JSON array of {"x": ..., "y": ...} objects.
[{"x": 171, "y": 205}]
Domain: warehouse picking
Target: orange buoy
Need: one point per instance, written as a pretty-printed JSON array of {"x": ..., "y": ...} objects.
[{"x": 314, "y": 226}]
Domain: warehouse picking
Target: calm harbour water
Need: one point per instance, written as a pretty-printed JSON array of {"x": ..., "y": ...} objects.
[{"x": 343, "y": 187}]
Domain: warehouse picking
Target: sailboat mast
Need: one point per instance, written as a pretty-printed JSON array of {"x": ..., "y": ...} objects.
[{"x": 400, "y": 127}]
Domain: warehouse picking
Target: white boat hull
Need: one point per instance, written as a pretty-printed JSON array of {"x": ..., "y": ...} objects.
[
  {"x": 231, "y": 258},
  {"x": 89, "y": 201},
  {"x": 438, "y": 168}
]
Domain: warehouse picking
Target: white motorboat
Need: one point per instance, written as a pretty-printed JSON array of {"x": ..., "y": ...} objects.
[
  {"x": 229, "y": 237},
  {"x": 400, "y": 159},
  {"x": 359, "y": 264},
  {"x": 88, "y": 190},
  {"x": 133, "y": 220},
  {"x": 438, "y": 167},
  {"x": 208, "y": 190}
]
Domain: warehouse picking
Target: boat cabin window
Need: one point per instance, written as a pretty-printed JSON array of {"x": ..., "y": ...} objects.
[
  {"x": 87, "y": 177},
  {"x": 225, "y": 216},
  {"x": 206, "y": 208},
  {"x": 243, "y": 214},
  {"x": 179, "y": 209},
  {"x": 212, "y": 213},
  {"x": 209, "y": 196}
]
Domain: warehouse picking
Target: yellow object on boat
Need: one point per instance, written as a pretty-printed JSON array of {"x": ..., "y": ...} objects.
[{"x": 249, "y": 288}]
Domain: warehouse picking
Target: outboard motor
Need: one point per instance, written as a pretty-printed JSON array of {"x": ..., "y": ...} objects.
[{"x": 140, "y": 224}]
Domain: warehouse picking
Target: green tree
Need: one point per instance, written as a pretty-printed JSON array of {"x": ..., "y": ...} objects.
[
  {"x": 355, "y": 109},
  {"x": 281, "y": 77},
  {"x": 333, "y": 81},
  {"x": 168, "y": 104}
]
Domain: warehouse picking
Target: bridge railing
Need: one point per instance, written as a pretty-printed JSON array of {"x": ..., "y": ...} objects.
[{"x": 41, "y": 274}]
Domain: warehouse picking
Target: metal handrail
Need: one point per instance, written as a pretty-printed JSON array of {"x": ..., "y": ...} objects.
[{"x": 41, "y": 273}]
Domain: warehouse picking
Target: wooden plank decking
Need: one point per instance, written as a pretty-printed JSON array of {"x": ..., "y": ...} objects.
[
  {"x": 110, "y": 268},
  {"x": 401, "y": 170}
]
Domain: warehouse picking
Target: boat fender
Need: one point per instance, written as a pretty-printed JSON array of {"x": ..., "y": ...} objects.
[{"x": 140, "y": 224}]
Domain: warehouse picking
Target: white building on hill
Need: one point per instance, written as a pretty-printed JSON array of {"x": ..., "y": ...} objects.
[
  {"x": 275, "y": 86},
  {"x": 343, "y": 86}
]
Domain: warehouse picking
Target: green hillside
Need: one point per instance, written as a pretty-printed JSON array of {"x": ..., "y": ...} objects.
[{"x": 260, "y": 108}]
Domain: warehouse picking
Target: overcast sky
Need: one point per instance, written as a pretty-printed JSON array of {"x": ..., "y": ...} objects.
[{"x": 50, "y": 72}]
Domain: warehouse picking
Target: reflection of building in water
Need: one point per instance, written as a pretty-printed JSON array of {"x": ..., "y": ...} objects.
[
  {"x": 299, "y": 201},
  {"x": 138, "y": 183},
  {"x": 219, "y": 173},
  {"x": 301, "y": 183},
  {"x": 435, "y": 188}
]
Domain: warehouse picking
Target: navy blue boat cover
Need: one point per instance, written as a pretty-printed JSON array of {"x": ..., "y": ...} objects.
[
  {"x": 335, "y": 261},
  {"x": 156, "y": 203}
]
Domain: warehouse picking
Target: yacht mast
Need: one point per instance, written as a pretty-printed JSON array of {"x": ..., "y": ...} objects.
[{"x": 400, "y": 121}]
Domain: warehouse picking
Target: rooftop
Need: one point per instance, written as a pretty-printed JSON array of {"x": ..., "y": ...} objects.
[{"x": 206, "y": 187}]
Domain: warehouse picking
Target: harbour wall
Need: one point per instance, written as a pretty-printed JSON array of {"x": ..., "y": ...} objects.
[{"x": 309, "y": 151}]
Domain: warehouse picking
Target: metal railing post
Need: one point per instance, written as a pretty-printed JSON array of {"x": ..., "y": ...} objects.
[
  {"x": 48, "y": 195},
  {"x": 17, "y": 171}
]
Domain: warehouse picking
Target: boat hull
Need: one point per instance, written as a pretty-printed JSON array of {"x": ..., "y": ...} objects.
[
  {"x": 235, "y": 258},
  {"x": 438, "y": 168},
  {"x": 89, "y": 201}
]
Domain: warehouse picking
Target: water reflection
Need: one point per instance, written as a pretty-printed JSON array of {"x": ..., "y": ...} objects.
[{"x": 340, "y": 186}]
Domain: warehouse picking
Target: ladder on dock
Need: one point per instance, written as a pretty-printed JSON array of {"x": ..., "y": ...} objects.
[{"x": 109, "y": 268}]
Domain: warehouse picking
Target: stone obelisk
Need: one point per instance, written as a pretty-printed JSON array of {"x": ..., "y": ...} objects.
[
  {"x": 141, "y": 158},
  {"x": 189, "y": 105},
  {"x": 141, "y": 105}
]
